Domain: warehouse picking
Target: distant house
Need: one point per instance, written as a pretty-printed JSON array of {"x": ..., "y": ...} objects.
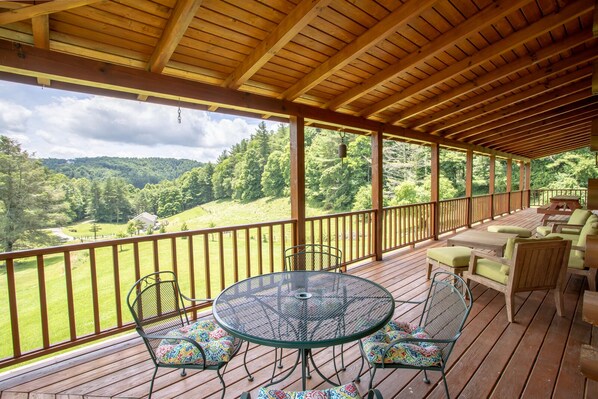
[{"x": 147, "y": 219}]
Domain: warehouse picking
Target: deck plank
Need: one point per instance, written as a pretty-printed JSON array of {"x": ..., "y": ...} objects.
[{"x": 537, "y": 356}]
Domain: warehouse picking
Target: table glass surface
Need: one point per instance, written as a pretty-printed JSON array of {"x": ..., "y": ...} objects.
[{"x": 303, "y": 309}]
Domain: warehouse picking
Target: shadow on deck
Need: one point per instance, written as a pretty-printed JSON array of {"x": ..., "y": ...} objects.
[{"x": 535, "y": 357}]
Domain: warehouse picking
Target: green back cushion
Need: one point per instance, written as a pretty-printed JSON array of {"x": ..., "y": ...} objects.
[
  {"x": 590, "y": 228},
  {"x": 579, "y": 216}
]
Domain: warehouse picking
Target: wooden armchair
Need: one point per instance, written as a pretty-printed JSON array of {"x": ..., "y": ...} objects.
[{"x": 534, "y": 265}]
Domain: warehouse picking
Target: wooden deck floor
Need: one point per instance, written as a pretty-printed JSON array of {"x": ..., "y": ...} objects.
[{"x": 536, "y": 357}]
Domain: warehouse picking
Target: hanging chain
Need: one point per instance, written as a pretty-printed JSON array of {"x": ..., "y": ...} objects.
[{"x": 179, "y": 113}]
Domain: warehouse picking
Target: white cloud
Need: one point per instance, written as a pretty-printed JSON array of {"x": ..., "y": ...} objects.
[{"x": 60, "y": 124}]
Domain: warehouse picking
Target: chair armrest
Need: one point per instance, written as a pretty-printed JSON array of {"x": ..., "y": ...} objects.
[
  {"x": 475, "y": 255},
  {"x": 576, "y": 248},
  {"x": 558, "y": 227},
  {"x": 196, "y": 300}
]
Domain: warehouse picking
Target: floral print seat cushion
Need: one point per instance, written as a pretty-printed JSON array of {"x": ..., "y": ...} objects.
[
  {"x": 217, "y": 344},
  {"x": 348, "y": 391},
  {"x": 420, "y": 354}
]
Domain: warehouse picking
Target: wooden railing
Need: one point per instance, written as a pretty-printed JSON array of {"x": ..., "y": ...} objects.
[
  {"x": 542, "y": 196},
  {"x": 406, "y": 225},
  {"x": 84, "y": 286},
  {"x": 351, "y": 232}
]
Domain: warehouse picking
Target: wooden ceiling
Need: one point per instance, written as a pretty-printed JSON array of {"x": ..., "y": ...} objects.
[{"x": 512, "y": 76}]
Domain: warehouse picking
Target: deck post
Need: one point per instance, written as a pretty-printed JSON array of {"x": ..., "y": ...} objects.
[
  {"x": 491, "y": 184},
  {"x": 297, "y": 136},
  {"x": 469, "y": 185},
  {"x": 509, "y": 181},
  {"x": 377, "y": 197},
  {"x": 521, "y": 183},
  {"x": 434, "y": 189},
  {"x": 528, "y": 177}
]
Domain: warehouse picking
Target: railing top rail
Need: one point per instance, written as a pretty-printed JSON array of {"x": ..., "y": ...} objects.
[
  {"x": 334, "y": 215},
  {"x": 407, "y": 205},
  {"x": 130, "y": 240}
]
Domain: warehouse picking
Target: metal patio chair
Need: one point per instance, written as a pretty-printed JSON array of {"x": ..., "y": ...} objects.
[
  {"x": 161, "y": 319},
  {"x": 427, "y": 345}
]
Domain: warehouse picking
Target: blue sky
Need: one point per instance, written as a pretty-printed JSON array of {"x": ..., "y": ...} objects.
[{"x": 60, "y": 124}]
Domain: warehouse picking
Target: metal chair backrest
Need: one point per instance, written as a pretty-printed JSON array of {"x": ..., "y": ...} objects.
[
  {"x": 313, "y": 257},
  {"x": 156, "y": 303},
  {"x": 446, "y": 308}
]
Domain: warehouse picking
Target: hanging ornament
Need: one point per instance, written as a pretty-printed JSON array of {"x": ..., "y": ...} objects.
[{"x": 342, "y": 148}]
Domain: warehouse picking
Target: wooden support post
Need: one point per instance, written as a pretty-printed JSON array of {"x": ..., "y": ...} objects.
[
  {"x": 509, "y": 182},
  {"x": 491, "y": 184},
  {"x": 528, "y": 180},
  {"x": 297, "y": 136},
  {"x": 377, "y": 183},
  {"x": 469, "y": 185},
  {"x": 521, "y": 184},
  {"x": 434, "y": 189}
]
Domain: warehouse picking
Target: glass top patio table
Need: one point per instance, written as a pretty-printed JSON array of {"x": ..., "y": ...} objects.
[{"x": 303, "y": 310}]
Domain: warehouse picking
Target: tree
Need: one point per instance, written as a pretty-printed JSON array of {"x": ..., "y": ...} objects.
[
  {"x": 273, "y": 178},
  {"x": 28, "y": 201},
  {"x": 94, "y": 229}
]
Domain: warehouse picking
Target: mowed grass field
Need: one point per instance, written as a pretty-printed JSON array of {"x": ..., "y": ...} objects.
[{"x": 212, "y": 269}]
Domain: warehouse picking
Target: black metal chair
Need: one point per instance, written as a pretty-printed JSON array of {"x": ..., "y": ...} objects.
[
  {"x": 315, "y": 257},
  {"x": 427, "y": 345},
  {"x": 161, "y": 319}
]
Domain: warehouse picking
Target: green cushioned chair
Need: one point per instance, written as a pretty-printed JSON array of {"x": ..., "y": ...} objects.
[
  {"x": 452, "y": 259},
  {"x": 520, "y": 231},
  {"x": 535, "y": 264},
  {"x": 577, "y": 258},
  {"x": 578, "y": 218}
]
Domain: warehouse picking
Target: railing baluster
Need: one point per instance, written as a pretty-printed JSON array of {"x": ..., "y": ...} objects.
[
  {"x": 136, "y": 260},
  {"x": 94, "y": 290},
  {"x": 206, "y": 265},
  {"x": 221, "y": 259},
  {"x": 173, "y": 255},
  {"x": 43, "y": 303},
  {"x": 259, "y": 251},
  {"x": 68, "y": 275},
  {"x": 116, "y": 275},
  {"x": 156, "y": 255},
  {"x": 282, "y": 244},
  {"x": 271, "y": 248},
  {"x": 235, "y": 255},
  {"x": 12, "y": 305},
  {"x": 247, "y": 253},
  {"x": 191, "y": 255}
]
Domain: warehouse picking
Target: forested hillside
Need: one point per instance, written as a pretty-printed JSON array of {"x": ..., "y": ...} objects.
[{"x": 136, "y": 171}]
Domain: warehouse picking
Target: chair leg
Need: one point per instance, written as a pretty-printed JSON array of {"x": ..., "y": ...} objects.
[
  {"x": 448, "y": 395},
  {"x": 510, "y": 304},
  {"x": 429, "y": 271},
  {"x": 183, "y": 373},
  {"x": 358, "y": 377},
  {"x": 222, "y": 383},
  {"x": 249, "y": 376},
  {"x": 372, "y": 375},
  {"x": 426, "y": 379},
  {"x": 152, "y": 383},
  {"x": 558, "y": 300},
  {"x": 592, "y": 278}
]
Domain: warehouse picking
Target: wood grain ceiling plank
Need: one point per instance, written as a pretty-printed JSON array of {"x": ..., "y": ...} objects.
[
  {"x": 576, "y": 136},
  {"x": 595, "y": 24},
  {"x": 177, "y": 25},
  {"x": 496, "y": 79},
  {"x": 482, "y": 56},
  {"x": 514, "y": 103},
  {"x": 552, "y": 124},
  {"x": 20, "y": 14},
  {"x": 518, "y": 122},
  {"x": 595, "y": 79},
  {"x": 394, "y": 21},
  {"x": 288, "y": 28},
  {"x": 489, "y": 15}
]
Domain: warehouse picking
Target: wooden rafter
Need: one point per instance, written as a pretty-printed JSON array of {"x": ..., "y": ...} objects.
[
  {"x": 509, "y": 43},
  {"x": 471, "y": 25},
  {"x": 497, "y": 74},
  {"x": 529, "y": 116},
  {"x": 41, "y": 38},
  {"x": 526, "y": 99},
  {"x": 556, "y": 142},
  {"x": 292, "y": 24},
  {"x": 393, "y": 22},
  {"x": 595, "y": 79},
  {"x": 595, "y": 24},
  {"x": 20, "y": 14}
]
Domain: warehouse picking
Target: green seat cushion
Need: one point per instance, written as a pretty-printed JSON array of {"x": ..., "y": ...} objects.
[
  {"x": 492, "y": 270},
  {"x": 579, "y": 216},
  {"x": 450, "y": 256},
  {"x": 543, "y": 230},
  {"x": 520, "y": 231},
  {"x": 510, "y": 247},
  {"x": 575, "y": 261}
]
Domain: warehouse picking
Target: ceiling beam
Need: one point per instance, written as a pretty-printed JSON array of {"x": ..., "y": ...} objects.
[
  {"x": 499, "y": 73},
  {"x": 393, "y": 22},
  {"x": 41, "y": 38},
  {"x": 471, "y": 26},
  {"x": 77, "y": 71},
  {"x": 546, "y": 138},
  {"x": 595, "y": 24},
  {"x": 526, "y": 99},
  {"x": 478, "y": 58},
  {"x": 530, "y": 116},
  {"x": 558, "y": 142},
  {"x": 595, "y": 79},
  {"x": 284, "y": 32},
  {"x": 540, "y": 121},
  {"x": 20, "y": 14}
]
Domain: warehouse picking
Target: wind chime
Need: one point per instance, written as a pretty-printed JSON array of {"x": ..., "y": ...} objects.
[{"x": 342, "y": 148}]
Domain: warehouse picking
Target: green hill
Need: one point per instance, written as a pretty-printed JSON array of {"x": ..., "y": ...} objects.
[{"x": 137, "y": 171}]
